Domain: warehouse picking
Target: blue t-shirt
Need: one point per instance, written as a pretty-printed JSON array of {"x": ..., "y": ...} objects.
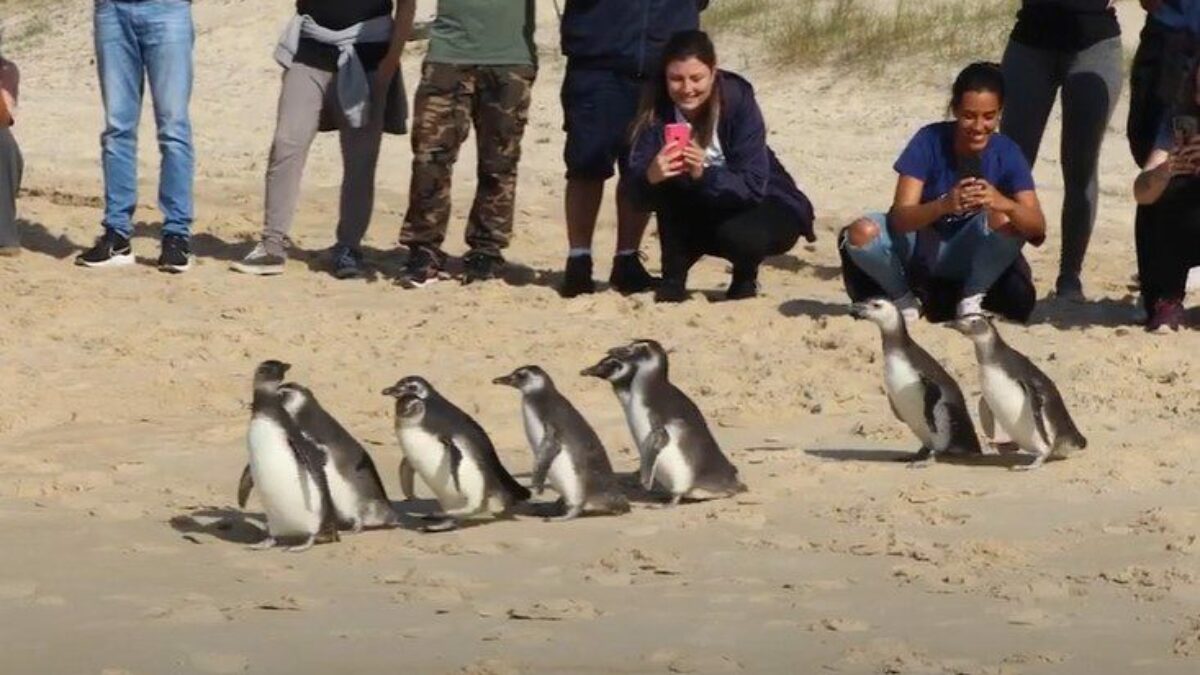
[{"x": 930, "y": 158}]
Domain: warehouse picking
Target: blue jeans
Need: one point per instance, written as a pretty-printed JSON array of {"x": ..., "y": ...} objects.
[
  {"x": 138, "y": 41},
  {"x": 976, "y": 255}
]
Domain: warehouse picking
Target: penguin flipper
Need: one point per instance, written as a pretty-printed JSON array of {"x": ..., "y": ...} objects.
[
  {"x": 986, "y": 419},
  {"x": 1037, "y": 402},
  {"x": 245, "y": 485},
  {"x": 455, "y": 454},
  {"x": 406, "y": 478},
  {"x": 545, "y": 454},
  {"x": 312, "y": 459},
  {"x": 652, "y": 444},
  {"x": 933, "y": 396}
]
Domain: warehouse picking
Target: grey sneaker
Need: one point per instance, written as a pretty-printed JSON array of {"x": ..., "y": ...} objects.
[{"x": 260, "y": 262}]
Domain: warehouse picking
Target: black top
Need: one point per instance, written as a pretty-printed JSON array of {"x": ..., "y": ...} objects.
[
  {"x": 1065, "y": 25},
  {"x": 339, "y": 15}
]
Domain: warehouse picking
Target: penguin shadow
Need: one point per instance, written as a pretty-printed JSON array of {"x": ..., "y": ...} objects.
[
  {"x": 35, "y": 238},
  {"x": 797, "y": 265},
  {"x": 1070, "y": 315},
  {"x": 813, "y": 308},
  {"x": 1005, "y": 461},
  {"x": 229, "y": 525}
]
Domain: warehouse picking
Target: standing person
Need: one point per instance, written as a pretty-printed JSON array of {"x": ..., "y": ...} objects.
[
  {"x": 479, "y": 72},
  {"x": 965, "y": 205},
  {"x": 136, "y": 41},
  {"x": 341, "y": 71},
  {"x": 1072, "y": 46},
  {"x": 722, "y": 192},
  {"x": 1165, "y": 47},
  {"x": 611, "y": 47},
  {"x": 11, "y": 164}
]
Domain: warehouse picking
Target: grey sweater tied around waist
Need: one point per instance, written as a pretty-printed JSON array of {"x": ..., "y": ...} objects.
[{"x": 353, "y": 86}]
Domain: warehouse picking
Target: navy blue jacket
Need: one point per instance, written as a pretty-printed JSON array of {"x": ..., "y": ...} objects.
[
  {"x": 752, "y": 173},
  {"x": 624, "y": 35}
]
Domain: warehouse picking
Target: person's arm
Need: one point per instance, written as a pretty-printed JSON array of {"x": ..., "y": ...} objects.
[
  {"x": 1149, "y": 5},
  {"x": 1153, "y": 179},
  {"x": 1020, "y": 214},
  {"x": 908, "y": 214},
  {"x": 743, "y": 180},
  {"x": 9, "y": 86},
  {"x": 401, "y": 28}
]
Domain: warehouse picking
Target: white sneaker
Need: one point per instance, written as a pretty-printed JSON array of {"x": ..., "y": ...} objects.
[
  {"x": 972, "y": 304},
  {"x": 909, "y": 306},
  {"x": 260, "y": 262}
]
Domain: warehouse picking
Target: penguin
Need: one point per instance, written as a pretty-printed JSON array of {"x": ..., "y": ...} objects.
[
  {"x": 921, "y": 393},
  {"x": 287, "y": 467},
  {"x": 358, "y": 494},
  {"x": 452, "y": 454},
  {"x": 1019, "y": 397},
  {"x": 565, "y": 447},
  {"x": 676, "y": 447}
]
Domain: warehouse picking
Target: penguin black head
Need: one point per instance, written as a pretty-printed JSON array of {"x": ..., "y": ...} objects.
[
  {"x": 528, "y": 379},
  {"x": 411, "y": 385},
  {"x": 612, "y": 369},
  {"x": 270, "y": 374},
  {"x": 978, "y": 327},
  {"x": 294, "y": 396},
  {"x": 644, "y": 355},
  {"x": 879, "y": 311}
]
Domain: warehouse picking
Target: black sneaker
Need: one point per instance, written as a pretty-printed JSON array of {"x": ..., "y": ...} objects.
[
  {"x": 111, "y": 250},
  {"x": 260, "y": 262},
  {"x": 671, "y": 290},
  {"x": 347, "y": 262},
  {"x": 424, "y": 267},
  {"x": 176, "y": 256},
  {"x": 481, "y": 267},
  {"x": 629, "y": 275},
  {"x": 1069, "y": 288},
  {"x": 741, "y": 289},
  {"x": 577, "y": 280}
]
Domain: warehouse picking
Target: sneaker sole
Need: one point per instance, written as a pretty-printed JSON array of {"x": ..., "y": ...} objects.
[
  {"x": 175, "y": 269},
  {"x": 414, "y": 284},
  {"x": 124, "y": 260},
  {"x": 257, "y": 270}
]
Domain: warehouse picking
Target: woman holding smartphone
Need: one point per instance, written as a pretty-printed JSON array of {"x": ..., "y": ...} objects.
[
  {"x": 964, "y": 207},
  {"x": 700, "y": 160},
  {"x": 1170, "y": 179}
]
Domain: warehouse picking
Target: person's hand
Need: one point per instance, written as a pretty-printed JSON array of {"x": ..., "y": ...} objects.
[
  {"x": 979, "y": 194},
  {"x": 954, "y": 201},
  {"x": 693, "y": 160},
  {"x": 667, "y": 164},
  {"x": 1185, "y": 161}
]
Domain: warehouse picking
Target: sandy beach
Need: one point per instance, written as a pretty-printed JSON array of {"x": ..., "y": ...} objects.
[{"x": 122, "y": 434}]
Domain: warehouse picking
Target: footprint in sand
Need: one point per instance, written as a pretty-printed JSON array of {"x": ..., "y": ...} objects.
[{"x": 559, "y": 609}]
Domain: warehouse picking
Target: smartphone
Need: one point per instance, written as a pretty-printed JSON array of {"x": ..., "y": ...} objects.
[
  {"x": 970, "y": 166},
  {"x": 1185, "y": 127},
  {"x": 677, "y": 134}
]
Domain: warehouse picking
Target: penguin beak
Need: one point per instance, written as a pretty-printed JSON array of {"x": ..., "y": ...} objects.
[
  {"x": 392, "y": 391},
  {"x": 506, "y": 380},
  {"x": 858, "y": 310},
  {"x": 961, "y": 326},
  {"x": 599, "y": 370}
]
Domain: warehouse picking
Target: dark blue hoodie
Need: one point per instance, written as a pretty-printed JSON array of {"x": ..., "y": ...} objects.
[
  {"x": 752, "y": 173},
  {"x": 624, "y": 35}
]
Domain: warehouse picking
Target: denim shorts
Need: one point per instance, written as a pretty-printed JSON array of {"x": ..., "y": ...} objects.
[{"x": 599, "y": 107}]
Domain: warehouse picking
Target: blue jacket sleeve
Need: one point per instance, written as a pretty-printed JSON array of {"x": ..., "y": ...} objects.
[
  {"x": 646, "y": 146},
  {"x": 743, "y": 181}
]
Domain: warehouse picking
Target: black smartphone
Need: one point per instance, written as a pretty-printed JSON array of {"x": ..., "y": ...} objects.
[
  {"x": 970, "y": 166},
  {"x": 1185, "y": 127}
]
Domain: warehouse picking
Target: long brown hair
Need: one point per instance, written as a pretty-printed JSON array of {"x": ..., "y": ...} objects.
[{"x": 682, "y": 46}]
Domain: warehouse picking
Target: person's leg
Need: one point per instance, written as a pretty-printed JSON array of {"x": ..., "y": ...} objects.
[
  {"x": 682, "y": 232},
  {"x": 1173, "y": 248},
  {"x": 1013, "y": 294},
  {"x": 587, "y": 153},
  {"x": 976, "y": 255},
  {"x": 1146, "y": 107},
  {"x": 1147, "y": 242},
  {"x": 441, "y": 122},
  {"x": 1089, "y": 95},
  {"x": 120, "y": 66},
  {"x": 747, "y": 238},
  {"x": 166, "y": 34},
  {"x": 879, "y": 253},
  {"x": 301, "y": 96},
  {"x": 1032, "y": 78},
  {"x": 500, "y": 115},
  {"x": 11, "y": 167},
  {"x": 628, "y": 274}
]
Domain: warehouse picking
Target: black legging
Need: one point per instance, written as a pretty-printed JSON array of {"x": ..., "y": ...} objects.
[
  {"x": 1013, "y": 296},
  {"x": 689, "y": 230},
  {"x": 1169, "y": 246}
]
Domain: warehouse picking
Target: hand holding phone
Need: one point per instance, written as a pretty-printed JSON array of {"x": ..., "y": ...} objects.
[{"x": 678, "y": 135}]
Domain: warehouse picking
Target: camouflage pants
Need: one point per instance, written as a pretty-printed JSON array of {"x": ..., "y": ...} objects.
[{"x": 450, "y": 99}]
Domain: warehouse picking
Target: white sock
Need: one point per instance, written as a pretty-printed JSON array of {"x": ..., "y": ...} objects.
[
  {"x": 579, "y": 252},
  {"x": 972, "y": 304}
]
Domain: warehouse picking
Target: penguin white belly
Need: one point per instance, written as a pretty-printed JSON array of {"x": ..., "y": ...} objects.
[
  {"x": 1011, "y": 408},
  {"x": 432, "y": 463},
  {"x": 638, "y": 416},
  {"x": 907, "y": 393},
  {"x": 565, "y": 480},
  {"x": 535, "y": 431},
  {"x": 288, "y": 493},
  {"x": 345, "y": 494},
  {"x": 671, "y": 468}
]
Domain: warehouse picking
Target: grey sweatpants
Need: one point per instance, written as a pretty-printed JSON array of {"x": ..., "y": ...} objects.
[
  {"x": 11, "y": 167},
  {"x": 305, "y": 91},
  {"x": 1090, "y": 81}
]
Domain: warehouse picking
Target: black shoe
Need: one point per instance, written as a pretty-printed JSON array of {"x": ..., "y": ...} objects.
[
  {"x": 629, "y": 275},
  {"x": 111, "y": 250},
  {"x": 741, "y": 289},
  {"x": 671, "y": 291},
  {"x": 577, "y": 280},
  {"x": 481, "y": 267},
  {"x": 424, "y": 267},
  {"x": 347, "y": 262},
  {"x": 1069, "y": 288},
  {"x": 176, "y": 256}
]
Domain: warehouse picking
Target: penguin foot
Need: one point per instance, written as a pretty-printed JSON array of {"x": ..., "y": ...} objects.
[
  {"x": 1006, "y": 447},
  {"x": 571, "y": 514},
  {"x": 357, "y": 527},
  {"x": 445, "y": 525},
  {"x": 1035, "y": 464},
  {"x": 922, "y": 462},
  {"x": 302, "y": 547},
  {"x": 675, "y": 499},
  {"x": 263, "y": 545}
]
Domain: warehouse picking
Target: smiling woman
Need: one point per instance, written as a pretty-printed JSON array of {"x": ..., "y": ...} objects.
[{"x": 11, "y": 163}]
